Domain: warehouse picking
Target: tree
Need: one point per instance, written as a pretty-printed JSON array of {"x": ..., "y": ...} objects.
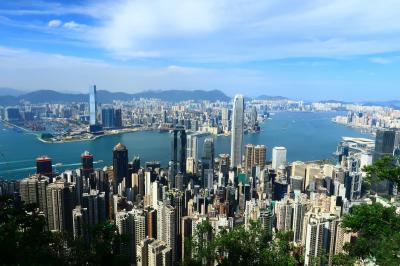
[
  {"x": 24, "y": 240},
  {"x": 241, "y": 246},
  {"x": 385, "y": 168},
  {"x": 378, "y": 234}
]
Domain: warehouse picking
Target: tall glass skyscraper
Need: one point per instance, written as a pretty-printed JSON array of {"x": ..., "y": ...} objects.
[
  {"x": 384, "y": 143},
  {"x": 237, "y": 130},
  {"x": 178, "y": 149},
  {"x": 93, "y": 105}
]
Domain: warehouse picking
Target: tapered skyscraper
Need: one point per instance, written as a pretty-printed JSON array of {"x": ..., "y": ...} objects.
[
  {"x": 93, "y": 105},
  {"x": 237, "y": 130}
]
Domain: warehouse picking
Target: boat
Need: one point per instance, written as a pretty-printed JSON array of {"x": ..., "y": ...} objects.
[{"x": 58, "y": 164}]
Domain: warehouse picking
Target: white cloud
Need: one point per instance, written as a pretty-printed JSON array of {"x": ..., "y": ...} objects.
[
  {"x": 72, "y": 25},
  {"x": 236, "y": 31},
  {"x": 54, "y": 23}
]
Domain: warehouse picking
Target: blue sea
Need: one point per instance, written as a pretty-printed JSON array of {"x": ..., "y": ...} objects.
[{"x": 307, "y": 136}]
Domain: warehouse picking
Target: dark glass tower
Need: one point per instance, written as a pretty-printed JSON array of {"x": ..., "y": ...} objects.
[
  {"x": 208, "y": 152},
  {"x": 107, "y": 117},
  {"x": 178, "y": 149},
  {"x": 44, "y": 166},
  {"x": 384, "y": 143},
  {"x": 120, "y": 164},
  {"x": 118, "y": 118}
]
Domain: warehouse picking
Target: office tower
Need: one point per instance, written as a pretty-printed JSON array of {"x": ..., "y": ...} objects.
[
  {"x": 79, "y": 223},
  {"x": 249, "y": 157},
  {"x": 190, "y": 166},
  {"x": 44, "y": 166},
  {"x": 159, "y": 254},
  {"x": 59, "y": 206},
  {"x": 93, "y": 109},
  {"x": 135, "y": 164},
  {"x": 384, "y": 143},
  {"x": 118, "y": 118},
  {"x": 166, "y": 230},
  {"x": 299, "y": 169},
  {"x": 12, "y": 114},
  {"x": 107, "y": 117},
  {"x": 178, "y": 149},
  {"x": 313, "y": 170},
  {"x": 278, "y": 157},
  {"x": 87, "y": 164},
  {"x": 120, "y": 164},
  {"x": 253, "y": 118},
  {"x": 225, "y": 118},
  {"x": 297, "y": 183},
  {"x": 224, "y": 164},
  {"x": 192, "y": 146},
  {"x": 208, "y": 152},
  {"x": 237, "y": 131},
  {"x": 353, "y": 183},
  {"x": 260, "y": 152}
]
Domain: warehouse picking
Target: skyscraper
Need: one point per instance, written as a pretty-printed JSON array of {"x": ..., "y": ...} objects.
[
  {"x": 249, "y": 157},
  {"x": 93, "y": 108},
  {"x": 237, "y": 131},
  {"x": 59, "y": 206},
  {"x": 278, "y": 157},
  {"x": 108, "y": 117},
  {"x": 384, "y": 143},
  {"x": 120, "y": 164},
  {"x": 192, "y": 146},
  {"x": 44, "y": 166},
  {"x": 87, "y": 164},
  {"x": 178, "y": 149},
  {"x": 260, "y": 156},
  {"x": 208, "y": 152}
]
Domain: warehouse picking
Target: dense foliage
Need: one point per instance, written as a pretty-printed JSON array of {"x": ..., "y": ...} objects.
[
  {"x": 378, "y": 234},
  {"x": 386, "y": 168},
  {"x": 24, "y": 241},
  {"x": 241, "y": 247}
]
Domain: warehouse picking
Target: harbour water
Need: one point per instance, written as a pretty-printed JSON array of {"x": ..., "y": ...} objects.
[{"x": 307, "y": 136}]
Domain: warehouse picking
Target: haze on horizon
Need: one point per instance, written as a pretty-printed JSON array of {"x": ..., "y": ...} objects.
[{"x": 314, "y": 50}]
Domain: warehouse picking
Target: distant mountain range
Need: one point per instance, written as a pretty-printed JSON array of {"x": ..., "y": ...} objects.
[
  {"x": 394, "y": 104},
  {"x": 270, "y": 98},
  {"x": 104, "y": 96}
]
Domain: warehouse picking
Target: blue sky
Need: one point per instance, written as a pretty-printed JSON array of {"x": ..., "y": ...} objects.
[{"x": 316, "y": 49}]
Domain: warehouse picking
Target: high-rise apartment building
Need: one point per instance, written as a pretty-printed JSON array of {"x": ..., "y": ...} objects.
[
  {"x": 237, "y": 131},
  {"x": 166, "y": 230},
  {"x": 60, "y": 202}
]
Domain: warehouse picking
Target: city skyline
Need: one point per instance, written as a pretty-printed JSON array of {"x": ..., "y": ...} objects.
[{"x": 337, "y": 50}]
